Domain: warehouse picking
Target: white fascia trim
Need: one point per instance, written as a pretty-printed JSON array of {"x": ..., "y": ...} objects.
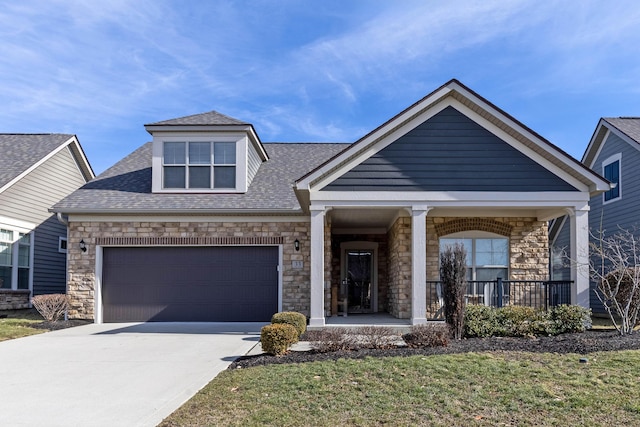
[
  {"x": 83, "y": 158},
  {"x": 595, "y": 143},
  {"x": 601, "y": 143},
  {"x": 448, "y": 198},
  {"x": 185, "y": 218},
  {"x": 255, "y": 140},
  {"x": 373, "y": 143},
  {"x": 39, "y": 163},
  {"x": 16, "y": 224},
  {"x": 531, "y": 137}
]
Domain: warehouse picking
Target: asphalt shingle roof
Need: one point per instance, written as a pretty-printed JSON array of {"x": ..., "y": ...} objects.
[
  {"x": 21, "y": 151},
  {"x": 627, "y": 125},
  {"x": 127, "y": 185},
  {"x": 203, "y": 119}
]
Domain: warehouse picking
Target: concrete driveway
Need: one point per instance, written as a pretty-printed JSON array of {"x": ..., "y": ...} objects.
[{"x": 133, "y": 374}]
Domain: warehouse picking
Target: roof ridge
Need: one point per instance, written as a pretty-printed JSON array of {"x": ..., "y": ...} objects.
[{"x": 212, "y": 117}]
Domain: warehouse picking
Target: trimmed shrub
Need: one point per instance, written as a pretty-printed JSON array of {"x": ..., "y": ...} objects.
[
  {"x": 332, "y": 339},
  {"x": 519, "y": 321},
  {"x": 480, "y": 321},
  {"x": 277, "y": 338},
  {"x": 428, "y": 335},
  {"x": 375, "y": 337},
  {"x": 52, "y": 306},
  {"x": 297, "y": 320},
  {"x": 570, "y": 318}
]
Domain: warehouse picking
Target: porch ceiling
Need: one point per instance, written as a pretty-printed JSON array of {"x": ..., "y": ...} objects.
[
  {"x": 364, "y": 218},
  {"x": 383, "y": 217}
]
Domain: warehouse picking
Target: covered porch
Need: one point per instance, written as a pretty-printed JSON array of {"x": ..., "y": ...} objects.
[{"x": 380, "y": 264}]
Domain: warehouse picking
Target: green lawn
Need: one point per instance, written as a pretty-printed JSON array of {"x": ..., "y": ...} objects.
[
  {"x": 509, "y": 388},
  {"x": 18, "y": 323}
]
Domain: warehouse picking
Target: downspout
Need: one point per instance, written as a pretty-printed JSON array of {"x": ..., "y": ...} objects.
[
  {"x": 65, "y": 221},
  {"x": 62, "y": 219}
]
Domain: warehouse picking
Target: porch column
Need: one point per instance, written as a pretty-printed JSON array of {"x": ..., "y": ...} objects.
[
  {"x": 579, "y": 220},
  {"x": 317, "y": 266},
  {"x": 419, "y": 264}
]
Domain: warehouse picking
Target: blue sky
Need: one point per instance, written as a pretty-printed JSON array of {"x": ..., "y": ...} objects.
[{"x": 318, "y": 71}]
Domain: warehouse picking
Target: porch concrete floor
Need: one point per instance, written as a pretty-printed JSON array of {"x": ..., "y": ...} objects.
[{"x": 369, "y": 319}]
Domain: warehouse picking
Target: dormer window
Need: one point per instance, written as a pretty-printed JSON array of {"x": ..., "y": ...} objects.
[
  {"x": 199, "y": 165},
  {"x": 204, "y": 153}
]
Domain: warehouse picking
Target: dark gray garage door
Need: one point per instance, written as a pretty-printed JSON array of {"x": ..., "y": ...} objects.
[{"x": 190, "y": 284}]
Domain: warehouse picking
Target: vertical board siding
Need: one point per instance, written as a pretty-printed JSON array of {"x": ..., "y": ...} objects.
[
  {"x": 29, "y": 200},
  {"x": 621, "y": 213},
  {"x": 449, "y": 152}
]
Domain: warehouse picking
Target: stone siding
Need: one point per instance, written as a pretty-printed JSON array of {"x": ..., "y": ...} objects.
[
  {"x": 14, "y": 299},
  {"x": 399, "y": 268},
  {"x": 528, "y": 243},
  {"x": 82, "y": 275}
]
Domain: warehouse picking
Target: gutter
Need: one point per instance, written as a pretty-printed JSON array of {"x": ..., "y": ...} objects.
[{"x": 62, "y": 219}]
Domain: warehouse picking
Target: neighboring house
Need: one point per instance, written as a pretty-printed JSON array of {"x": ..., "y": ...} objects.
[
  {"x": 207, "y": 223},
  {"x": 614, "y": 152},
  {"x": 36, "y": 171}
]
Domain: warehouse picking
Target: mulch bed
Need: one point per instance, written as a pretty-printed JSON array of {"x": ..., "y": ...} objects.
[
  {"x": 60, "y": 324},
  {"x": 579, "y": 343}
]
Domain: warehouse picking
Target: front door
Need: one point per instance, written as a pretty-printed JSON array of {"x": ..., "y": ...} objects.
[{"x": 359, "y": 264}]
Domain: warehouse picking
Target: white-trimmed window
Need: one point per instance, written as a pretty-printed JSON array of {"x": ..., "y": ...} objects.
[
  {"x": 611, "y": 168},
  {"x": 62, "y": 245},
  {"x": 199, "y": 165},
  {"x": 15, "y": 259},
  {"x": 487, "y": 253}
]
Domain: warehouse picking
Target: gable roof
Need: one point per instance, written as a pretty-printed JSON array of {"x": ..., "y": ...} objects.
[
  {"x": 21, "y": 153},
  {"x": 126, "y": 186},
  {"x": 627, "y": 128},
  {"x": 453, "y": 93},
  {"x": 211, "y": 118},
  {"x": 630, "y": 126},
  {"x": 209, "y": 121}
]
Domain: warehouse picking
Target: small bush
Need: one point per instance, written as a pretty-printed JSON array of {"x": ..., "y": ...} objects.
[
  {"x": 480, "y": 321},
  {"x": 517, "y": 321},
  {"x": 428, "y": 335},
  {"x": 332, "y": 339},
  {"x": 277, "y": 338},
  {"x": 52, "y": 306},
  {"x": 375, "y": 337},
  {"x": 297, "y": 320},
  {"x": 570, "y": 318}
]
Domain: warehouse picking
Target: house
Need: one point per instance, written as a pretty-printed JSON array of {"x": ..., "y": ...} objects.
[
  {"x": 36, "y": 171},
  {"x": 207, "y": 223},
  {"x": 614, "y": 152}
]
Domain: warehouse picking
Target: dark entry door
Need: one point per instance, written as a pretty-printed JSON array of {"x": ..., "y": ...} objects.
[
  {"x": 359, "y": 275},
  {"x": 190, "y": 284}
]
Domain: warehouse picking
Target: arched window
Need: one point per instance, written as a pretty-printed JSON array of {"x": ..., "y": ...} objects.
[{"x": 487, "y": 253}]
